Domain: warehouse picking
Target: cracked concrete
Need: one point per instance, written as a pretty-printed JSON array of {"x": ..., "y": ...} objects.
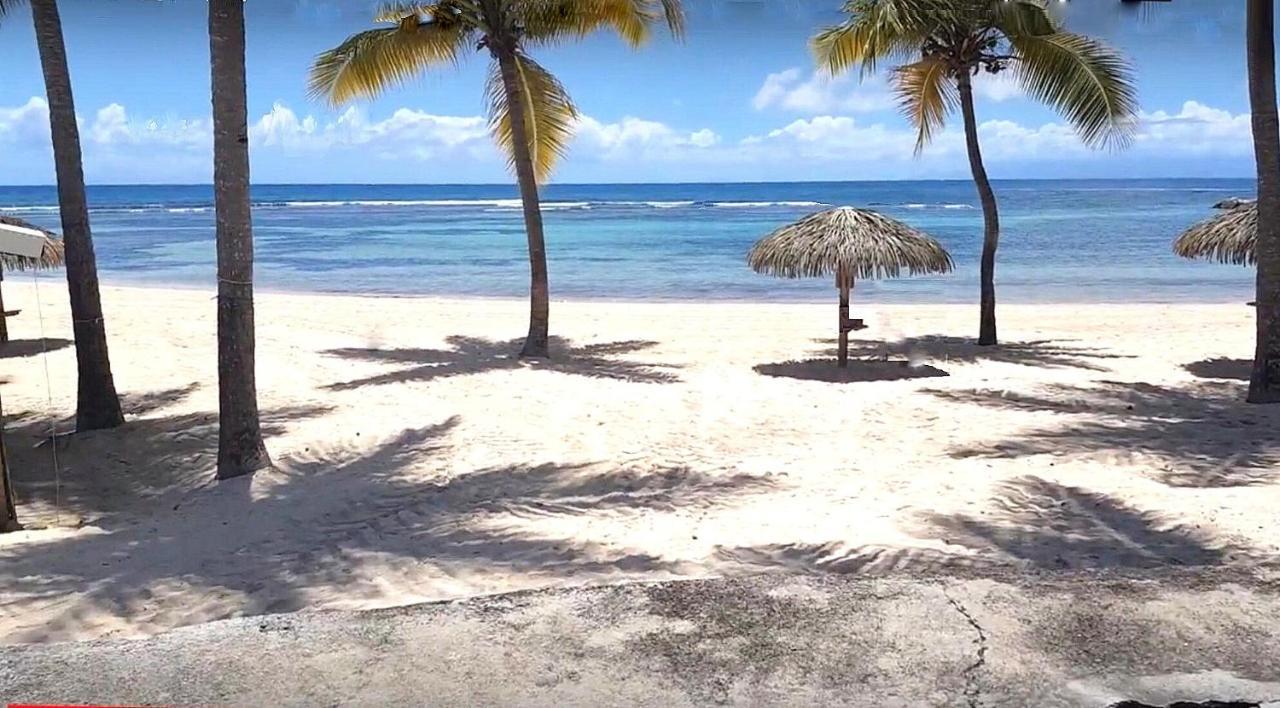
[
  {"x": 972, "y": 690},
  {"x": 1009, "y": 640}
]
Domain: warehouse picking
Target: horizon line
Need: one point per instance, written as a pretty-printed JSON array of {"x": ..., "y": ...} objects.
[{"x": 644, "y": 184}]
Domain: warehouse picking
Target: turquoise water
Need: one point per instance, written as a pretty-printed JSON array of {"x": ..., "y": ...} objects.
[{"x": 1063, "y": 241}]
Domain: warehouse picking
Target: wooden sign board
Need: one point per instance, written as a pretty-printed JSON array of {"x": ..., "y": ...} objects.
[{"x": 19, "y": 241}]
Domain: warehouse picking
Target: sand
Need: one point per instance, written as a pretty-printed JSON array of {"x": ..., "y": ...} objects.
[{"x": 417, "y": 459}]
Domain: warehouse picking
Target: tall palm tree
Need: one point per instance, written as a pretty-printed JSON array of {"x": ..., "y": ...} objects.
[
  {"x": 530, "y": 114},
  {"x": 1264, "y": 384},
  {"x": 97, "y": 405},
  {"x": 940, "y": 45},
  {"x": 240, "y": 446}
]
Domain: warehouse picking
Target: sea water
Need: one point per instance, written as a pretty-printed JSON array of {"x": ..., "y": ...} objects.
[{"x": 1061, "y": 241}]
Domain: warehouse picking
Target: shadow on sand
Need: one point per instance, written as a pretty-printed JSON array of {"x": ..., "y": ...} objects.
[
  {"x": 858, "y": 371},
  {"x": 17, "y": 348},
  {"x": 1203, "y": 435},
  {"x": 261, "y": 545},
  {"x": 1030, "y": 523},
  {"x": 99, "y": 476},
  {"x": 1043, "y": 353},
  {"x": 1221, "y": 368},
  {"x": 476, "y": 355}
]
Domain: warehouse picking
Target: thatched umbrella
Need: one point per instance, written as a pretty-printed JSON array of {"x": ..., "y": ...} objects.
[
  {"x": 50, "y": 257},
  {"x": 847, "y": 243},
  {"x": 1230, "y": 237}
]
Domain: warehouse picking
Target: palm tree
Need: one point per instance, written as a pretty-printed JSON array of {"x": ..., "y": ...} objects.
[
  {"x": 240, "y": 446},
  {"x": 97, "y": 405},
  {"x": 1264, "y": 384},
  {"x": 530, "y": 114},
  {"x": 942, "y": 44}
]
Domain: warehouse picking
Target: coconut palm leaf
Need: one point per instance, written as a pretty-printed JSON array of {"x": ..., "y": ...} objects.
[
  {"x": 878, "y": 30},
  {"x": 550, "y": 115},
  {"x": 926, "y": 94},
  {"x": 1086, "y": 81},
  {"x": 1023, "y": 18},
  {"x": 371, "y": 61},
  {"x": 550, "y": 20}
]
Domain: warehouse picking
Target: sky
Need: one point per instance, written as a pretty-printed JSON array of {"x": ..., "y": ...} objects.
[{"x": 737, "y": 100}]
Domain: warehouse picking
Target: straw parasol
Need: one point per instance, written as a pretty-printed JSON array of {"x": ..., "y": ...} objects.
[
  {"x": 1230, "y": 237},
  {"x": 847, "y": 243},
  {"x": 50, "y": 257}
]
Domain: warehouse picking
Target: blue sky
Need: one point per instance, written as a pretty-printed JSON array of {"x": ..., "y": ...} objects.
[{"x": 738, "y": 100}]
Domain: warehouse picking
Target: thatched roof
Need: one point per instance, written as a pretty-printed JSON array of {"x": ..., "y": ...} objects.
[
  {"x": 1230, "y": 237},
  {"x": 51, "y": 257},
  {"x": 866, "y": 244}
]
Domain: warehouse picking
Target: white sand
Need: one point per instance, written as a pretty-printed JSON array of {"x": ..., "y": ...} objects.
[{"x": 419, "y": 460}]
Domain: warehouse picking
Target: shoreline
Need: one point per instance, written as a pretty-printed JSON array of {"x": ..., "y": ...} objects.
[{"x": 110, "y": 283}]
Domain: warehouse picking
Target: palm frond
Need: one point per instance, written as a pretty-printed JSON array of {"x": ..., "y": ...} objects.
[
  {"x": 878, "y": 30},
  {"x": 397, "y": 10},
  {"x": 926, "y": 94},
  {"x": 7, "y": 5},
  {"x": 1023, "y": 18},
  {"x": 550, "y": 115},
  {"x": 1088, "y": 82},
  {"x": 369, "y": 62},
  {"x": 550, "y": 20}
]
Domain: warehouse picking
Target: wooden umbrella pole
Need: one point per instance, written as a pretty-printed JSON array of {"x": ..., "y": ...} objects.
[
  {"x": 4, "y": 321},
  {"x": 842, "y": 282},
  {"x": 9, "y": 519}
]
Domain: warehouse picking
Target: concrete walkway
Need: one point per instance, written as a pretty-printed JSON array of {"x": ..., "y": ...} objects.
[{"x": 1065, "y": 640}]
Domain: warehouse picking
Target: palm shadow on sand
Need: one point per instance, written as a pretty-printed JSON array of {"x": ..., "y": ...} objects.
[
  {"x": 1030, "y": 523},
  {"x": 1201, "y": 435},
  {"x": 936, "y": 348},
  {"x": 328, "y": 509},
  {"x": 858, "y": 371},
  {"x": 101, "y": 476},
  {"x": 477, "y": 355}
]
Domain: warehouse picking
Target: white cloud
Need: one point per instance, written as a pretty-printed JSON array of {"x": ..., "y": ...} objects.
[
  {"x": 821, "y": 93},
  {"x": 637, "y": 139},
  {"x": 1196, "y": 129},
  {"x": 28, "y": 123},
  {"x": 997, "y": 87},
  {"x": 120, "y": 147}
]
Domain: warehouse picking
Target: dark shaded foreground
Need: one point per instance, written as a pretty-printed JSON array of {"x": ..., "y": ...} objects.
[{"x": 1079, "y": 639}]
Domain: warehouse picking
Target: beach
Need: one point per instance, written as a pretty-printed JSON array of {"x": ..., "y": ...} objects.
[{"x": 417, "y": 459}]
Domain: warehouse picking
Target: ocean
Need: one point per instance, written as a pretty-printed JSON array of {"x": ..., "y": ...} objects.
[{"x": 1062, "y": 240}]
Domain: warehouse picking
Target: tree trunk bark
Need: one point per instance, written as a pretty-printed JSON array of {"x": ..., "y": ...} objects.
[
  {"x": 97, "y": 405},
  {"x": 990, "y": 213},
  {"x": 536, "y": 343},
  {"x": 240, "y": 447},
  {"x": 1264, "y": 383},
  {"x": 842, "y": 282},
  {"x": 9, "y": 515}
]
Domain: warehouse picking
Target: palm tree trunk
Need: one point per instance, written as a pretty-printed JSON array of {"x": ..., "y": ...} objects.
[
  {"x": 9, "y": 514},
  {"x": 1264, "y": 383},
  {"x": 97, "y": 405},
  {"x": 990, "y": 213},
  {"x": 240, "y": 446},
  {"x": 535, "y": 344}
]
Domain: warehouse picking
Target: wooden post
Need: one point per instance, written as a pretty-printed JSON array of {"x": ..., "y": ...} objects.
[
  {"x": 9, "y": 515},
  {"x": 4, "y": 321},
  {"x": 843, "y": 283}
]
